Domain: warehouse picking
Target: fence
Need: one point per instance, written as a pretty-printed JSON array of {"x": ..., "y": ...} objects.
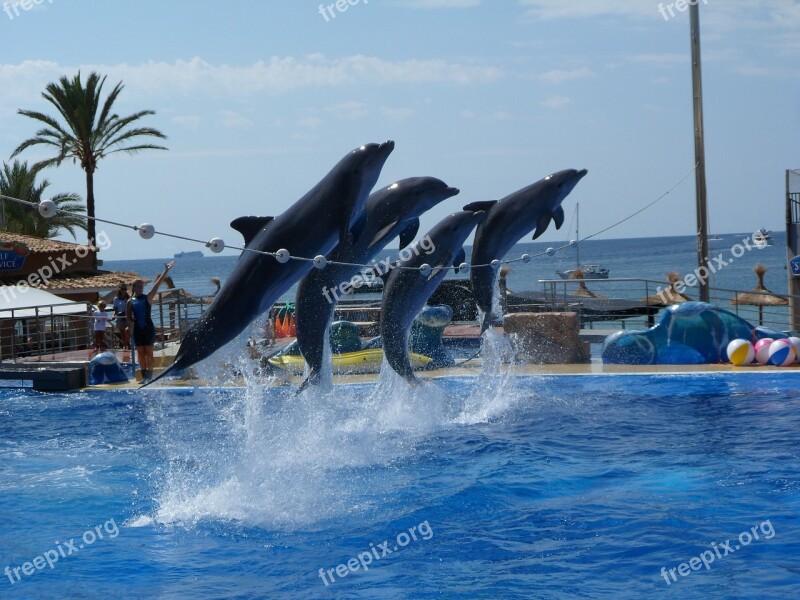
[{"x": 635, "y": 303}]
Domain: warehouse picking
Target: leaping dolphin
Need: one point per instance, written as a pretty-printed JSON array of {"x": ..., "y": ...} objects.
[
  {"x": 389, "y": 212},
  {"x": 311, "y": 226},
  {"x": 407, "y": 291},
  {"x": 508, "y": 220}
]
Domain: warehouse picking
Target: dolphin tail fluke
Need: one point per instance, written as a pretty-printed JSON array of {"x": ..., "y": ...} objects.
[
  {"x": 312, "y": 379},
  {"x": 487, "y": 322},
  {"x": 164, "y": 373}
]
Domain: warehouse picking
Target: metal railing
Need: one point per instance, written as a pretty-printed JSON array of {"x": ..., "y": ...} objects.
[
  {"x": 630, "y": 302},
  {"x": 38, "y": 331}
]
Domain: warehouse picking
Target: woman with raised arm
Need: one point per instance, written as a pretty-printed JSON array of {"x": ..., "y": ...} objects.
[{"x": 141, "y": 323}]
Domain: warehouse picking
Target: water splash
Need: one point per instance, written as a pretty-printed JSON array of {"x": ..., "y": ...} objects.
[{"x": 267, "y": 457}]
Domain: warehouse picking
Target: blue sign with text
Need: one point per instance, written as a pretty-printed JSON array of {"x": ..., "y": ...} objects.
[
  {"x": 12, "y": 256},
  {"x": 794, "y": 264}
]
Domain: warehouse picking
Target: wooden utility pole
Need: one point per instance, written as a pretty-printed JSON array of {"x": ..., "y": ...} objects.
[{"x": 699, "y": 151}]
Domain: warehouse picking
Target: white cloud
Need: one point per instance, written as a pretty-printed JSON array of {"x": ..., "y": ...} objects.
[
  {"x": 278, "y": 74},
  {"x": 556, "y": 102},
  {"x": 349, "y": 110},
  {"x": 429, "y": 4},
  {"x": 310, "y": 122},
  {"x": 398, "y": 114},
  {"x": 565, "y": 9},
  {"x": 557, "y": 76},
  {"x": 665, "y": 59},
  {"x": 186, "y": 120},
  {"x": 231, "y": 118}
]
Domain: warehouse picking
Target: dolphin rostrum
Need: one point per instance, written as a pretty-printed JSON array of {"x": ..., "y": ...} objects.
[
  {"x": 407, "y": 290},
  {"x": 508, "y": 221},
  {"x": 389, "y": 212},
  {"x": 310, "y": 227}
]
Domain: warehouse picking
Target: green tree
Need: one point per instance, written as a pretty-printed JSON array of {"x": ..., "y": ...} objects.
[
  {"x": 86, "y": 130},
  {"x": 19, "y": 181}
]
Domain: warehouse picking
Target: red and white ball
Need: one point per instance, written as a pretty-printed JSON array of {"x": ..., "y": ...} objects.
[
  {"x": 762, "y": 350},
  {"x": 796, "y": 343},
  {"x": 782, "y": 353},
  {"x": 741, "y": 352}
]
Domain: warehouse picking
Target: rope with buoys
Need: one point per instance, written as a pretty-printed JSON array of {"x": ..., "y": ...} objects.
[{"x": 48, "y": 209}]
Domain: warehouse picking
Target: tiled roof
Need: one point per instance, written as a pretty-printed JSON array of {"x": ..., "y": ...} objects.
[
  {"x": 82, "y": 281},
  {"x": 37, "y": 244}
]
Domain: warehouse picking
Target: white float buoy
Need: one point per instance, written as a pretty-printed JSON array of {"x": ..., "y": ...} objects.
[
  {"x": 320, "y": 262},
  {"x": 425, "y": 269},
  {"x": 47, "y": 208},
  {"x": 550, "y": 251},
  {"x": 146, "y": 231},
  {"x": 216, "y": 245},
  {"x": 463, "y": 268},
  {"x": 282, "y": 256},
  {"x": 526, "y": 258},
  {"x": 495, "y": 264}
]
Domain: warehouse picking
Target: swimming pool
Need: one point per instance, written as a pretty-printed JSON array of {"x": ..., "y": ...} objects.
[{"x": 503, "y": 487}]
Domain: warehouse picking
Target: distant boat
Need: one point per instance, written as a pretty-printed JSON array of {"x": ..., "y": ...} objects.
[
  {"x": 715, "y": 238},
  {"x": 589, "y": 271},
  {"x": 192, "y": 254},
  {"x": 762, "y": 237}
]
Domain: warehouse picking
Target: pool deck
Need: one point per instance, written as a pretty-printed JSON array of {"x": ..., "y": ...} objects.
[
  {"x": 473, "y": 368},
  {"x": 591, "y": 369}
]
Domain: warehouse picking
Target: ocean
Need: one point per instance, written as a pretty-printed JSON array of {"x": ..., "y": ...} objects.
[{"x": 643, "y": 258}]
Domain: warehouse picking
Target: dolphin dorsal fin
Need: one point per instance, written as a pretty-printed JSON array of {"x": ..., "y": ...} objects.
[
  {"x": 558, "y": 217},
  {"x": 250, "y": 226},
  {"x": 409, "y": 233},
  {"x": 541, "y": 225},
  {"x": 484, "y": 205}
]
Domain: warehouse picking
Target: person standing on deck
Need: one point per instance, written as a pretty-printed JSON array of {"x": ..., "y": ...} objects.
[
  {"x": 141, "y": 323},
  {"x": 121, "y": 315},
  {"x": 101, "y": 320}
]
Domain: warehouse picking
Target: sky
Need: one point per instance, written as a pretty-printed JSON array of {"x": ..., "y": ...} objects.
[{"x": 259, "y": 99}]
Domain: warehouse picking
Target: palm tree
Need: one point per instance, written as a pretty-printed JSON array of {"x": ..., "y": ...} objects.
[
  {"x": 19, "y": 181},
  {"x": 86, "y": 131}
]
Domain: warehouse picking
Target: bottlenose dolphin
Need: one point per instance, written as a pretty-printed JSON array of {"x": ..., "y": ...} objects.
[
  {"x": 508, "y": 220},
  {"x": 407, "y": 291},
  {"x": 389, "y": 212},
  {"x": 311, "y": 226}
]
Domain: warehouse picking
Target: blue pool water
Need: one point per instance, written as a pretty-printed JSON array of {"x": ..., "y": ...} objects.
[{"x": 511, "y": 487}]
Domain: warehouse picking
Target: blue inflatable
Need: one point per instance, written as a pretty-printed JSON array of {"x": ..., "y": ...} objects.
[
  {"x": 692, "y": 333},
  {"x": 105, "y": 368}
]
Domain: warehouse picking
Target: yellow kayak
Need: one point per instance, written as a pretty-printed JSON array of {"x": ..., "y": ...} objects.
[{"x": 362, "y": 361}]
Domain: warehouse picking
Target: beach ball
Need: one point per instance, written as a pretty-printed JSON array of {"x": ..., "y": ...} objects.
[
  {"x": 741, "y": 352},
  {"x": 781, "y": 353},
  {"x": 796, "y": 343},
  {"x": 762, "y": 350}
]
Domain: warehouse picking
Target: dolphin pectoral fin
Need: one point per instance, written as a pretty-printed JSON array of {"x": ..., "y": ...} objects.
[
  {"x": 381, "y": 234},
  {"x": 250, "y": 226},
  {"x": 461, "y": 257},
  {"x": 558, "y": 217},
  {"x": 483, "y": 205},
  {"x": 409, "y": 233},
  {"x": 541, "y": 225}
]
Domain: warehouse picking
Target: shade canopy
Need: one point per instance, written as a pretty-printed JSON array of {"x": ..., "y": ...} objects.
[{"x": 22, "y": 302}]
